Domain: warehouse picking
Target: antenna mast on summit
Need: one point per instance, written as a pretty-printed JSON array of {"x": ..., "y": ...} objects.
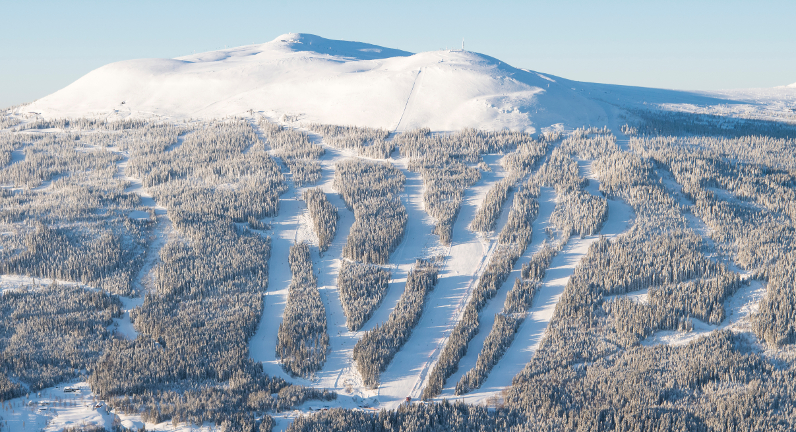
[{"x": 462, "y": 44}]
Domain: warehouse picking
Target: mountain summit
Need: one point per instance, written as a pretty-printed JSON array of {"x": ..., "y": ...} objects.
[
  {"x": 312, "y": 79},
  {"x": 322, "y": 80}
]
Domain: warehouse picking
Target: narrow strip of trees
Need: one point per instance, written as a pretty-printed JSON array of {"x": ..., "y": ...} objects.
[
  {"x": 302, "y": 340},
  {"x": 362, "y": 288},
  {"x": 324, "y": 216},
  {"x": 371, "y": 190}
]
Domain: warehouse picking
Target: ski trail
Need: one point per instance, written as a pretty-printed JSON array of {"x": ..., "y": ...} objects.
[
  {"x": 159, "y": 236},
  {"x": 694, "y": 222},
  {"x": 416, "y": 243},
  {"x": 338, "y": 373},
  {"x": 262, "y": 346},
  {"x": 547, "y": 203},
  {"x": 465, "y": 259},
  {"x": 292, "y": 224},
  {"x": 739, "y": 307},
  {"x": 532, "y": 330},
  {"x": 161, "y": 233},
  {"x": 145, "y": 278},
  {"x": 286, "y": 228}
]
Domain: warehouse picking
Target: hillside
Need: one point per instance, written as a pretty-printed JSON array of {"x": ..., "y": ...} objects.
[
  {"x": 302, "y": 234},
  {"x": 326, "y": 81},
  {"x": 337, "y": 82}
]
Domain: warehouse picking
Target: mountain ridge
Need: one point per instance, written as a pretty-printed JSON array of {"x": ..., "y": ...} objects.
[{"x": 314, "y": 79}]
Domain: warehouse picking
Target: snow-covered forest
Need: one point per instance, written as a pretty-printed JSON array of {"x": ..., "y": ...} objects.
[
  {"x": 318, "y": 235},
  {"x": 589, "y": 279}
]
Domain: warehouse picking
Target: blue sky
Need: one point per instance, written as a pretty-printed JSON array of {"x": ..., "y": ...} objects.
[{"x": 45, "y": 45}]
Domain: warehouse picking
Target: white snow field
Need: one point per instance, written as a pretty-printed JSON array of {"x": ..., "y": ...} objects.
[
  {"x": 313, "y": 79},
  {"x": 321, "y": 80}
]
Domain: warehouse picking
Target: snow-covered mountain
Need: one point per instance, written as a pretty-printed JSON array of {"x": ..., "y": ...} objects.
[
  {"x": 314, "y": 79},
  {"x": 253, "y": 264}
]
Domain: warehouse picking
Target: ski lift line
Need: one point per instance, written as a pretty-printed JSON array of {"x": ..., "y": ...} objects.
[{"x": 407, "y": 100}]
